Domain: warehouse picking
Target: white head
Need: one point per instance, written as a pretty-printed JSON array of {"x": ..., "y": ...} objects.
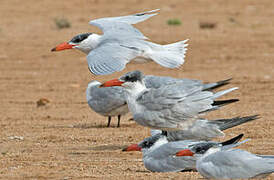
[
  {"x": 94, "y": 83},
  {"x": 91, "y": 85},
  {"x": 84, "y": 42},
  {"x": 131, "y": 81},
  {"x": 153, "y": 142},
  {"x": 148, "y": 144}
]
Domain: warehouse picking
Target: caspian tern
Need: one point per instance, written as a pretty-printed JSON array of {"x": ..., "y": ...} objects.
[
  {"x": 107, "y": 101},
  {"x": 121, "y": 43},
  {"x": 171, "y": 107},
  {"x": 111, "y": 101},
  {"x": 206, "y": 132},
  {"x": 159, "y": 155},
  {"x": 215, "y": 162}
]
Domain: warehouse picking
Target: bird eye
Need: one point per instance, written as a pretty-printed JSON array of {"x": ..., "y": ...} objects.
[{"x": 198, "y": 149}]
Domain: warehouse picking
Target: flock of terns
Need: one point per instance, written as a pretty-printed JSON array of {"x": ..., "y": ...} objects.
[{"x": 174, "y": 109}]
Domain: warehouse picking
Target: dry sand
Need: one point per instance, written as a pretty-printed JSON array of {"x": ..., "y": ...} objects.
[{"x": 65, "y": 139}]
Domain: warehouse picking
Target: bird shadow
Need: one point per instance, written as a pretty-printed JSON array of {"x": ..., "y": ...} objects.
[
  {"x": 89, "y": 126},
  {"x": 109, "y": 147}
]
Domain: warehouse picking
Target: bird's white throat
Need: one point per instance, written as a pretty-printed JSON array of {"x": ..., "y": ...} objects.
[
  {"x": 133, "y": 89},
  {"x": 89, "y": 43},
  {"x": 211, "y": 151}
]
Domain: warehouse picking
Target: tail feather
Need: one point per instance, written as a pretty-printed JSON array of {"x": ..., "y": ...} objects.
[
  {"x": 170, "y": 55},
  {"x": 221, "y": 93},
  {"x": 211, "y": 86},
  {"x": 217, "y": 104},
  {"x": 220, "y": 103},
  {"x": 229, "y": 123},
  {"x": 233, "y": 140}
]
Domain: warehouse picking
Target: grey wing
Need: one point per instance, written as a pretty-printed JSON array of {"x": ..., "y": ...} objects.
[
  {"x": 109, "y": 58},
  {"x": 122, "y": 25},
  {"x": 199, "y": 130},
  {"x": 173, "y": 106},
  {"x": 158, "y": 81},
  {"x": 105, "y": 100},
  {"x": 234, "y": 163},
  {"x": 164, "y": 159}
]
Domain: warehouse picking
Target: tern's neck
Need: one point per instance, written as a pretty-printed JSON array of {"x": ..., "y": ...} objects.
[
  {"x": 211, "y": 151},
  {"x": 136, "y": 89},
  {"x": 89, "y": 44}
]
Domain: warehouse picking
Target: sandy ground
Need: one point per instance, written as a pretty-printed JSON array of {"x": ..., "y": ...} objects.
[{"x": 65, "y": 139}]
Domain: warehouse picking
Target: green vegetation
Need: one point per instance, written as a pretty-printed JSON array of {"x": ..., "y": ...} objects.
[
  {"x": 174, "y": 22},
  {"x": 62, "y": 23}
]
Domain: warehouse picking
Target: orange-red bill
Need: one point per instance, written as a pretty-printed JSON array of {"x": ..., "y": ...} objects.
[
  {"x": 133, "y": 147},
  {"x": 63, "y": 46},
  {"x": 114, "y": 82},
  {"x": 185, "y": 152}
]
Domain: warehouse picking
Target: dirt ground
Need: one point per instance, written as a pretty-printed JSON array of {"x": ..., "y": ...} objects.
[{"x": 65, "y": 139}]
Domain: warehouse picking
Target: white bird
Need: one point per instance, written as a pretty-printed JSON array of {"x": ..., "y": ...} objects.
[
  {"x": 216, "y": 162},
  {"x": 121, "y": 43},
  {"x": 111, "y": 101},
  {"x": 171, "y": 107},
  {"x": 159, "y": 155}
]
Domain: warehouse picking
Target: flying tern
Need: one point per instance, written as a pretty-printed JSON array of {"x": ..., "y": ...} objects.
[{"x": 122, "y": 43}]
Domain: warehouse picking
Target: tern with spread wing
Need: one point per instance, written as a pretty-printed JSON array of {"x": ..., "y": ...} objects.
[
  {"x": 121, "y": 43},
  {"x": 215, "y": 162},
  {"x": 171, "y": 107},
  {"x": 159, "y": 155},
  {"x": 111, "y": 101}
]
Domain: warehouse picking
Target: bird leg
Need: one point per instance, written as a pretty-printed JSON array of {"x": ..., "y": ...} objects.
[
  {"x": 119, "y": 117},
  {"x": 109, "y": 119}
]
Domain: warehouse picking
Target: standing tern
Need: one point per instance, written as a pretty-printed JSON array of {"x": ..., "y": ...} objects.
[
  {"x": 111, "y": 101},
  {"x": 121, "y": 43},
  {"x": 159, "y": 155},
  {"x": 171, "y": 107},
  {"x": 215, "y": 162},
  {"x": 107, "y": 101}
]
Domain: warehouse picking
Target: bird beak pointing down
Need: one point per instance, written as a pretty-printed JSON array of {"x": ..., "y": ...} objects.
[
  {"x": 63, "y": 46},
  {"x": 185, "y": 152},
  {"x": 133, "y": 147},
  {"x": 114, "y": 82}
]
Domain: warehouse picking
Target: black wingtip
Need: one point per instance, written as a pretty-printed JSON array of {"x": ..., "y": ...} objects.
[
  {"x": 164, "y": 133},
  {"x": 233, "y": 140},
  {"x": 226, "y": 81},
  {"x": 224, "y": 102},
  {"x": 220, "y": 84}
]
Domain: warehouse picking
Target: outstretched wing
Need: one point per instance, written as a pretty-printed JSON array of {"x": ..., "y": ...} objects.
[
  {"x": 112, "y": 26},
  {"x": 109, "y": 58}
]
